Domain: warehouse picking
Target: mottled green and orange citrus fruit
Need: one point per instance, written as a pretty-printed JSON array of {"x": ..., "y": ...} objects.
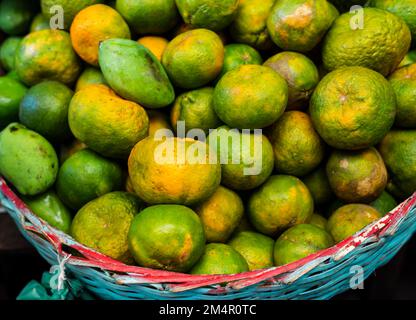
[
  {"x": 301, "y": 74},
  {"x": 250, "y": 97},
  {"x": 149, "y": 16},
  {"x": 85, "y": 176},
  {"x": 353, "y": 108},
  {"x": 195, "y": 109},
  {"x": 167, "y": 237},
  {"x": 174, "y": 171},
  {"x": 246, "y": 158},
  {"x": 405, "y": 9},
  {"x": 300, "y": 241},
  {"x": 349, "y": 219},
  {"x": 220, "y": 214},
  {"x": 194, "y": 58},
  {"x": 299, "y": 25},
  {"x": 256, "y": 249},
  {"x": 36, "y": 58},
  {"x": 220, "y": 258},
  {"x": 93, "y": 25},
  {"x": 282, "y": 202},
  {"x": 398, "y": 149},
  {"x": 238, "y": 54},
  {"x": 357, "y": 176},
  {"x": 403, "y": 82},
  {"x": 105, "y": 122},
  {"x": 210, "y": 14},
  {"x": 104, "y": 223},
  {"x": 70, "y": 9},
  {"x": 297, "y": 147},
  {"x": 379, "y": 43},
  {"x": 250, "y": 23}
]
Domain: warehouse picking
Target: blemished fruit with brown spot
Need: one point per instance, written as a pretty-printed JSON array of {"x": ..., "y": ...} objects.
[
  {"x": 299, "y": 25},
  {"x": 357, "y": 176}
]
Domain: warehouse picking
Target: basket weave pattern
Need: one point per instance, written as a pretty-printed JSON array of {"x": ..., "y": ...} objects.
[{"x": 319, "y": 276}]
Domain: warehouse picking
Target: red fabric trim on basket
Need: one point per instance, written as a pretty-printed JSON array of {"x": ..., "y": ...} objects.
[{"x": 181, "y": 282}]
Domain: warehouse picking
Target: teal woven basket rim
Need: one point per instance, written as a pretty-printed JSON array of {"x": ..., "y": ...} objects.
[{"x": 112, "y": 279}]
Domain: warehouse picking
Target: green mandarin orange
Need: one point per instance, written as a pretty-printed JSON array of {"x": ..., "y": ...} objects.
[
  {"x": 398, "y": 150},
  {"x": 8, "y": 51},
  {"x": 282, "y": 202},
  {"x": 210, "y": 14},
  {"x": 85, "y": 176},
  {"x": 105, "y": 122},
  {"x": 384, "y": 203},
  {"x": 246, "y": 158},
  {"x": 194, "y": 58},
  {"x": 36, "y": 61},
  {"x": 196, "y": 110},
  {"x": 299, "y": 242},
  {"x": 220, "y": 258},
  {"x": 353, "y": 108},
  {"x": 149, "y": 16},
  {"x": 300, "y": 73},
  {"x": 297, "y": 147},
  {"x": 349, "y": 219},
  {"x": 104, "y": 223},
  {"x": 250, "y": 97},
  {"x": 44, "y": 109},
  {"x": 380, "y": 43},
  {"x": 256, "y": 248},
  {"x": 238, "y": 54},
  {"x": 220, "y": 214},
  {"x": 168, "y": 237},
  {"x": 250, "y": 23},
  {"x": 405, "y": 9},
  {"x": 403, "y": 82}
]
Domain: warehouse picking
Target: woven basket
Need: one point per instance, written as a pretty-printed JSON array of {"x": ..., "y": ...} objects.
[{"x": 319, "y": 276}]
